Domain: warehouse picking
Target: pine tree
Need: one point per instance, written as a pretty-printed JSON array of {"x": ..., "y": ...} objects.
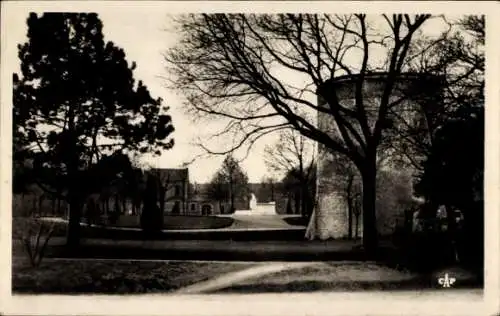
[{"x": 76, "y": 101}]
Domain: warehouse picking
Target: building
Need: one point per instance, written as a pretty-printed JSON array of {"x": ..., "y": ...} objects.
[
  {"x": 201, "y": 203},
  {"x": 412, "y": 92},
  {"x": 173, "y": 187},
  {"x": 180, "y": 197}
]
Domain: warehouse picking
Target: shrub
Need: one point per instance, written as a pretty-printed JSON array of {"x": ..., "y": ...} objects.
[
  {"x": 424, "y": 250},
  {"x": 151, "y": 216},
  {"x": 35, "y": 238},
  {"x": 176, "y": 209}
]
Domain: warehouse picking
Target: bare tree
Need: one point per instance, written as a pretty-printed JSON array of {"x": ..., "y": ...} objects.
[
  {"x": 218, "y": 188},
  {"x": 458, "y": 54},
  {"x": 293, "y": 154},
  {"x": 256, "y": 71},
  {"x": 267, "y": 190}
]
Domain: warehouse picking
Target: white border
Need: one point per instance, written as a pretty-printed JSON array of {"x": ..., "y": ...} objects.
[{"x": 401, "y": 303}]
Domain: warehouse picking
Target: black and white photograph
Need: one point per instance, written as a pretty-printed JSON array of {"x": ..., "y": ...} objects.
[{"x": 242, "y": 152}]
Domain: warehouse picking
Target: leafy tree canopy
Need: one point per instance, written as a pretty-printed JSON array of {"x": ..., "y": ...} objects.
[
  {"x": 453, "y": 171},
  {"x": 230, "y": 181},
  {"x": 76, "y": 101}
]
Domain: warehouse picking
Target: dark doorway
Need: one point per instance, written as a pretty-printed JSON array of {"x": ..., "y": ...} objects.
[
  {"x": 176, "y": 210},
  {"x": 206, "y": 209}
]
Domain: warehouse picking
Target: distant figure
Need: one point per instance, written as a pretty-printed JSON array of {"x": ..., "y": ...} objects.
[{"x": 253, "y": 202}]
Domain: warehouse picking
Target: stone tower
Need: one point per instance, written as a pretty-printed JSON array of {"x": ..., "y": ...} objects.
[{"x": 416, "y": 95}]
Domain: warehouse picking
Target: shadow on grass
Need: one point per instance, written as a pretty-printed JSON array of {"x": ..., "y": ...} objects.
[
  {"x": 106, "y": 277},
  {"x": 19, "y": 225},
  {"x": 234, "y": 252},
  {"x": 279, "y": 234},
  {"x": 296, "y": 220}
]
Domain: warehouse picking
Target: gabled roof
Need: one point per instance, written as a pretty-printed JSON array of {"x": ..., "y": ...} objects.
[{"x": 171, "y": 174}]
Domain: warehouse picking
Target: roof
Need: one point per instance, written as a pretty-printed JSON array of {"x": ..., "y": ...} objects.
[
  {"x": 171, "y": 174},
  {"x": 201, "y": 191},
  {"x": 378, "y": 76}
]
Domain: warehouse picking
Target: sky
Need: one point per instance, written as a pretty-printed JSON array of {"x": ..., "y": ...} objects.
[{"x": 144, "y": 36}]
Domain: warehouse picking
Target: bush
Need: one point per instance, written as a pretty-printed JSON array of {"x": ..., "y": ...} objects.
[
  {"x": 35, "y": 237},
  {"x": 431, "y": 249},
  {"x": 176, "y": 209},
  {"x": 470, "y": 240},
  {"x": 151, "y": 218}
]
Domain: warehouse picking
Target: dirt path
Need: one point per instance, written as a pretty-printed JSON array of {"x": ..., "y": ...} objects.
[
  {"x": 235, "y": 277},
  {"x": 325, "y": 276}
]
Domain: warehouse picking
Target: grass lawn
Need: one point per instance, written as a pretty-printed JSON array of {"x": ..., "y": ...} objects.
[
  {"x": 112, "y": 277},
  {"x": 343, "y": 276},
  {"x": 20, "y": 224},
  {"x": 179, "y": 222}
]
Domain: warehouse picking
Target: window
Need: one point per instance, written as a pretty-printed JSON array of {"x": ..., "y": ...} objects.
[
  {"x": 193, "y": 206},
  {"x": 177, "y": 190}
]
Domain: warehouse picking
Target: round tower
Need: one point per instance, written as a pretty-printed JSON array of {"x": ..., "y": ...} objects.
[{"x": 414, "y": 96}]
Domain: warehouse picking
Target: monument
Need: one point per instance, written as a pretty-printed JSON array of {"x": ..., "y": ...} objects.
[{"x": 253, "y": 202}]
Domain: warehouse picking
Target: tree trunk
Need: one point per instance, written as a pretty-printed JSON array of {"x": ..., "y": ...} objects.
[
  {"x": 75, "y": 207},
  {"x": 33, "y": 204},
  {"x": 296, "y": 200},
  {"x": 231, "y": 195},
  {"x": 124, "y": 205},
  {"x": 75, "y": 204},
  {"x": 356, "y": 231},
  {"x": 289, "y": 205},
  {"x": 369, "y": 176},
  {"x": 117, "y": 205},
  {"x": 75, "y": 210},
  {"x": 308, "y": 202},
  {"x": 302, "y": 184},
  {"x": 162, "y": 195},
  {"x": 20, "y": 207},
  {"x": 304, "y": 200},
  {"x": 349, "y": 219},
  {"x": 40, "y": 205},
  {"x": 106, "y": 206},
  {"x": 349, "y": 208}
]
